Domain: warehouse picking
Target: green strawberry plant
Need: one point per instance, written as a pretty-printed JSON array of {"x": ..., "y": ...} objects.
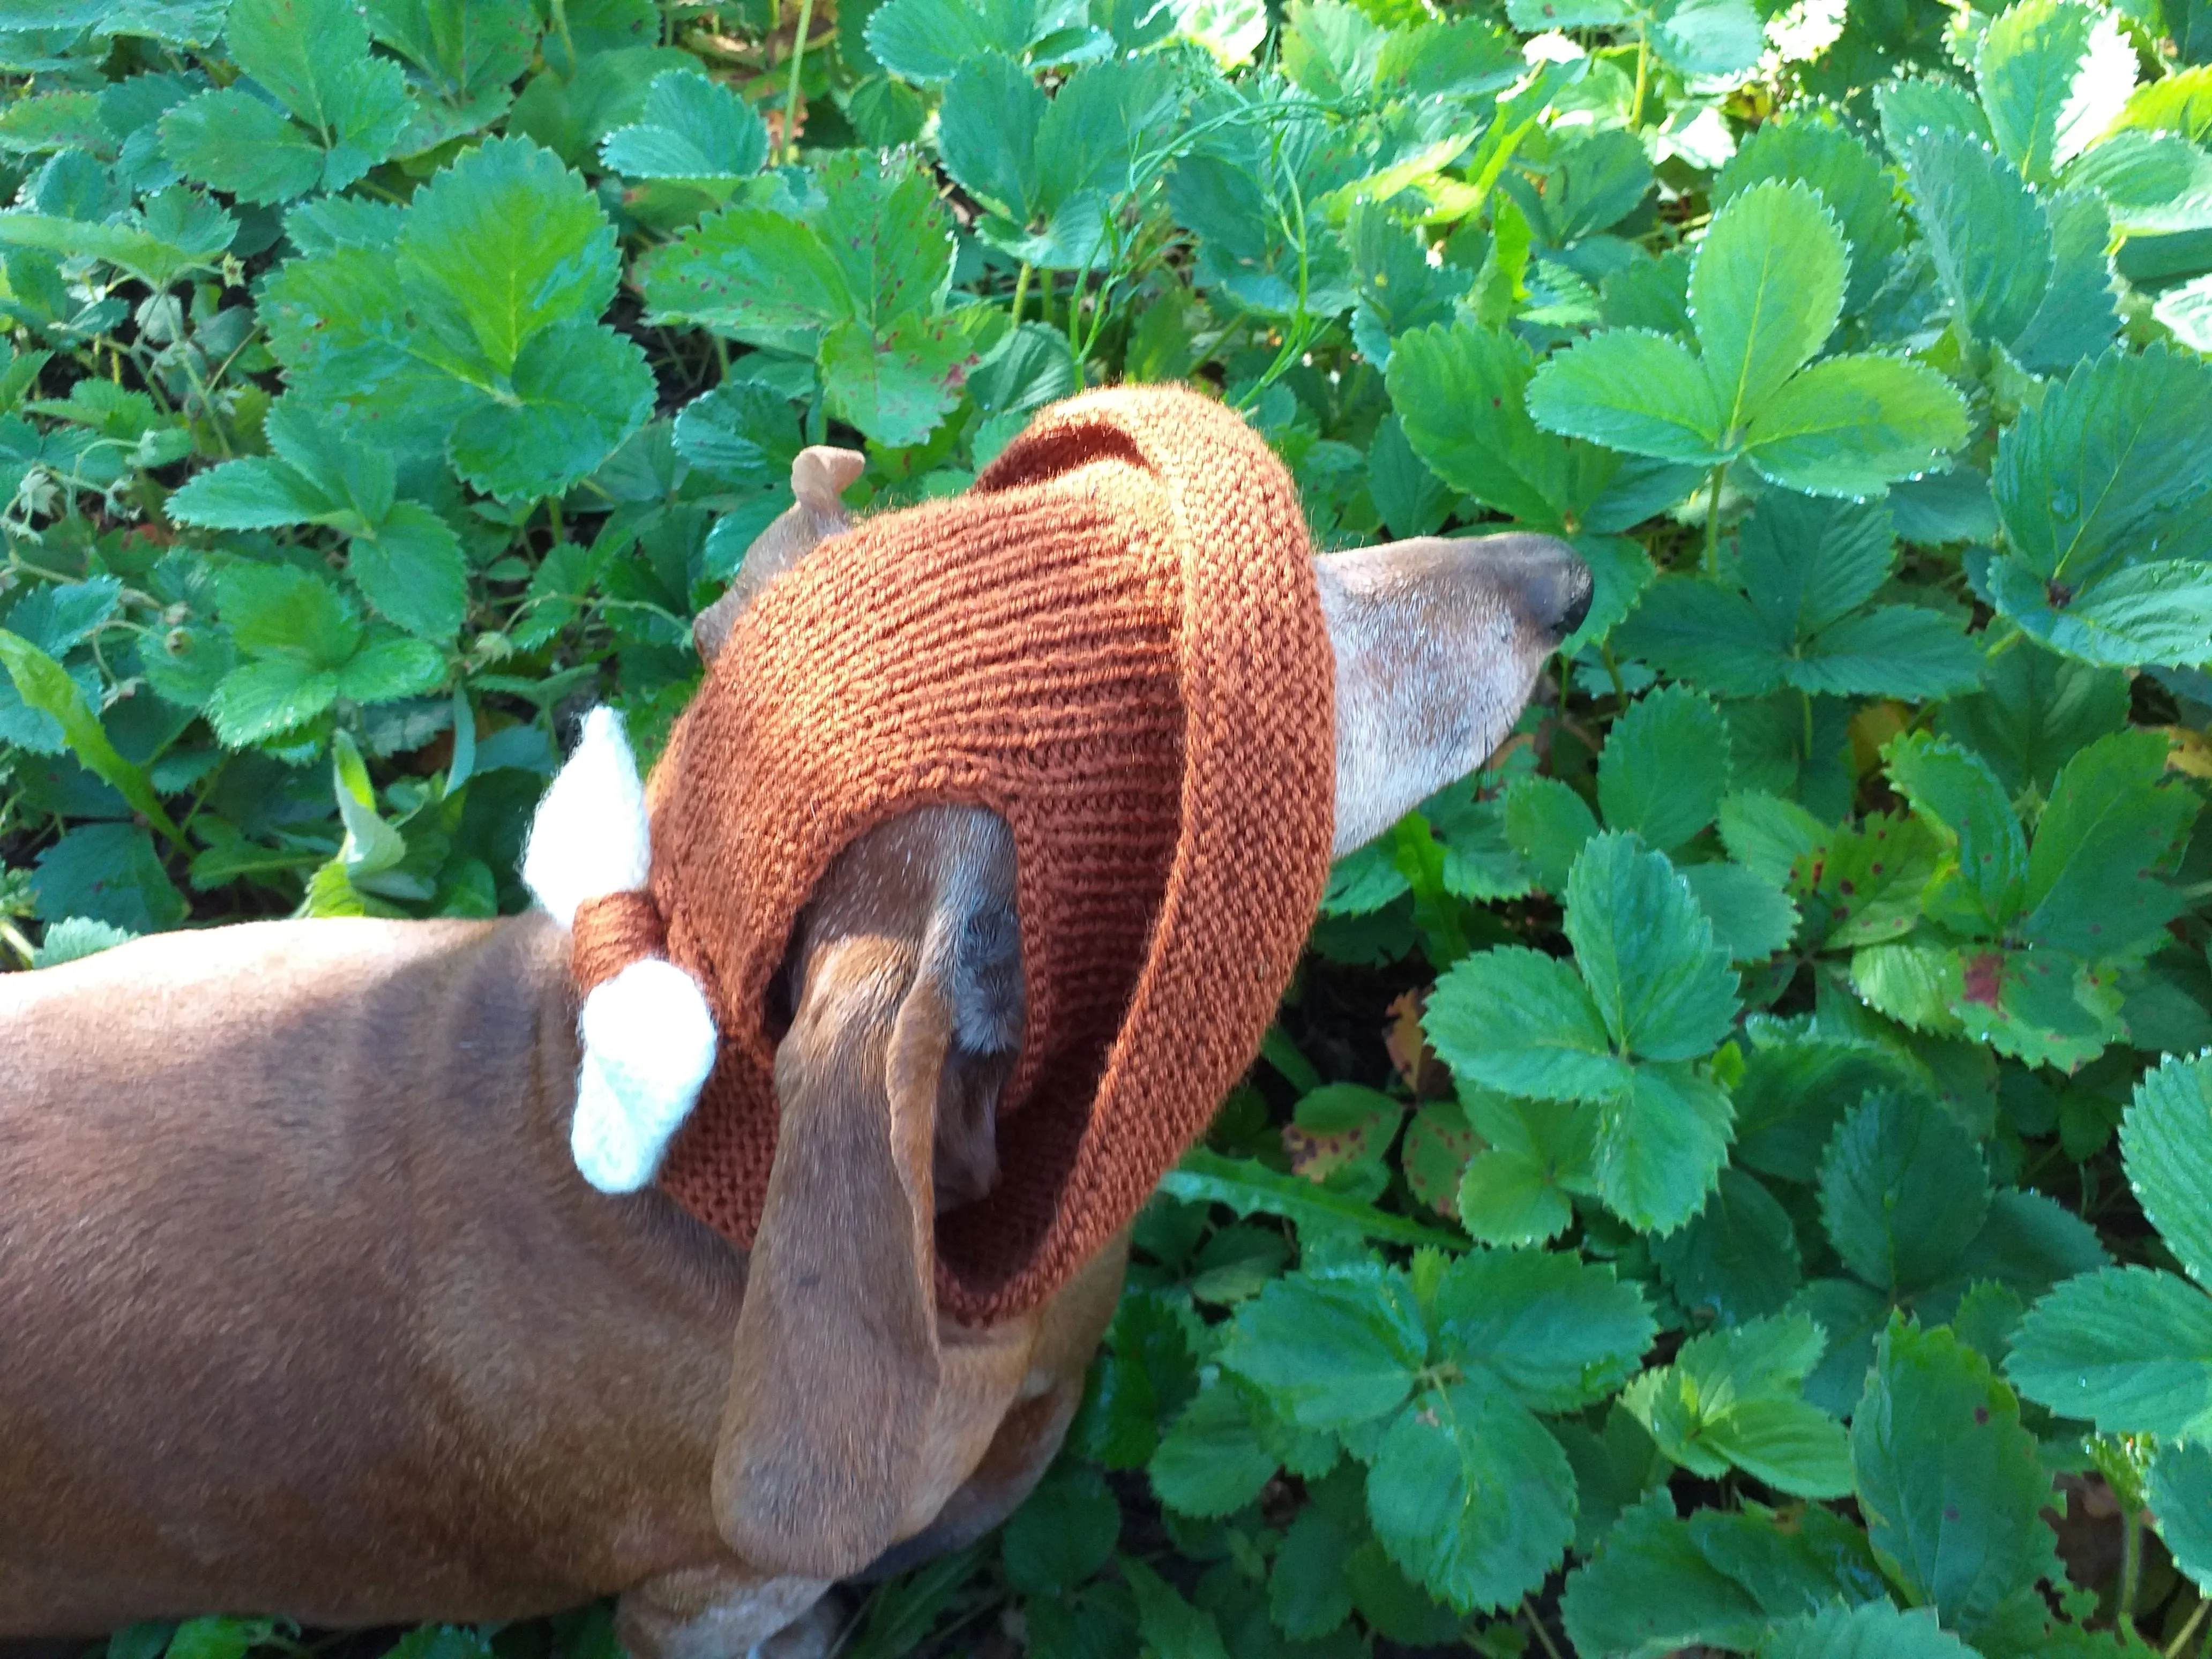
[
  {"x": 1727, "y": 1176},
  {"x": 2124, "y": 1347},
  {"x": 1764, "y": 290}
]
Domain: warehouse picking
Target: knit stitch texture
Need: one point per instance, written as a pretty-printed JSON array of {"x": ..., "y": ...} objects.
[{"x": 1114, "y": 640}]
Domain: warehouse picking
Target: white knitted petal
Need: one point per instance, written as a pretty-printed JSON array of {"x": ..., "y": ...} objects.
[
  {"x": 590, "y": 837},
  {"x": 648, "y": 1045}
]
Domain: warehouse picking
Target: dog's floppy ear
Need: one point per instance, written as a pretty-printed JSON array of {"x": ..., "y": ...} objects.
[
  {"x": 907, "y": 1016},
  {"x": 819, "y": 477}
]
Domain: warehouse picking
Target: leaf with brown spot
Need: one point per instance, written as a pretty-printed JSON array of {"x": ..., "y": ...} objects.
[
  {"x": 1863, "y": 885},
  {"x": 1339, "y": 1124},
  {"x": 1983, "y": 978},
  {"x": 1438, "y": 1142},
  {"x": 1411, "y": 1057}
]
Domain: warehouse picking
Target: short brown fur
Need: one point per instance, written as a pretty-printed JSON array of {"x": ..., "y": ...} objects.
[{"x": 302, "y": 1318}]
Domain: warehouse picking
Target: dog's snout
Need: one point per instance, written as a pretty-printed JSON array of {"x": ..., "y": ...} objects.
[{"x": 1555, "y": 584}]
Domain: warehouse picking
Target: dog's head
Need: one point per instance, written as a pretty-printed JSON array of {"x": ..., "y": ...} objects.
[{"x": 906, "y": 1009}]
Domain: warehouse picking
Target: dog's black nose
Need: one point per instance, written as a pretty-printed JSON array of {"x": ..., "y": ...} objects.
[{"x": 1576, "y": 587}]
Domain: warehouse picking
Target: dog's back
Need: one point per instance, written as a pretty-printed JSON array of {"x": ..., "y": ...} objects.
[{"x": 289, "y": 1276}]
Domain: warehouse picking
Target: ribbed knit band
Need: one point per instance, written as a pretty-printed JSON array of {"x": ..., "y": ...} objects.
[
  {"x": 1115, "y": 642},
  {"x": 611, "y": 931}
]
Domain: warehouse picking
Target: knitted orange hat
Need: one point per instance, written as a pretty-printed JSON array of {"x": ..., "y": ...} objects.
[{"x": 1114, "y": 640}]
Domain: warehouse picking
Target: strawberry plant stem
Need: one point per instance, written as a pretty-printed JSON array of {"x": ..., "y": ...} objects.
[
  {"x": 560, "y": 26},
  {"x": 1075, "y": 313},
  {"x": 1543, "y": 1636},
  {"x": 791, "y": 98},
  {"x": 1021, "y": 292},
  {"x": 2173, "y": 1649},
  {"x": 2130, "y": 1566},
  {"x": 1713, "y": 523}
]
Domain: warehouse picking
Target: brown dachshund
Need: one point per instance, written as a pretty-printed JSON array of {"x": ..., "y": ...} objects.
[{"x": 305, "y": 1309}]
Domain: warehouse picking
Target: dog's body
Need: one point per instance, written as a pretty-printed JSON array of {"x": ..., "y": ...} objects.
[
  {"x": 301, "y": 1315},
  {"x": 305, "y": 1309},
  {"x": 394, "y": 1310}
]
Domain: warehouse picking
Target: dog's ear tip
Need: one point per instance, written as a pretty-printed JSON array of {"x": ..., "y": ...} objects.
[
  {"x": 820, "y": 474},
  {"x": 825, "y": 1535},
  {"x": 843, "y": 465},
  {"x": 823, "y": 472},
  {"x": 838, "y": 1326}
]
